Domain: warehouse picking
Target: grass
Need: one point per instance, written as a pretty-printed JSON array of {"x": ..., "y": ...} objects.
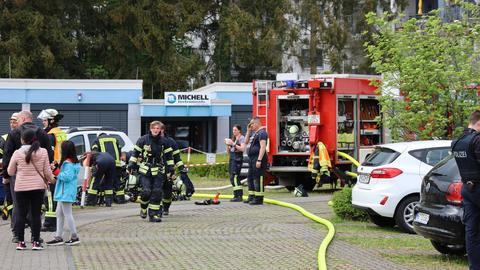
[
  {"x": 394, "y": 245},
  {"x": 196, "y": 158}
]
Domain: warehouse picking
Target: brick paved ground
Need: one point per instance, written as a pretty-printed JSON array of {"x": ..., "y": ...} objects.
[{"x": 225, "y": 236}]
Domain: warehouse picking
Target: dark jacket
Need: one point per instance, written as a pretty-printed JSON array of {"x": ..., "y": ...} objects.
[{"x": 14, "y": 142}]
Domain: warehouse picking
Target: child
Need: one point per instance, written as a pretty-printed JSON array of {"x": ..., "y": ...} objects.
[{"x": 66, "y": 194}]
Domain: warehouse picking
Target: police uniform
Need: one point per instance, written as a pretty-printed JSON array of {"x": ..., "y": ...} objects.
[
  {"x": 57, "y": 136},
  {"x": 152, "y": 150},
  {"x": 109, "y": 144},
  {"x": 256, "y": 175},
  {"x": 466, "y": 151},
  {"x": 103, "y": 173},
  {"x": 235, "y": 166}
]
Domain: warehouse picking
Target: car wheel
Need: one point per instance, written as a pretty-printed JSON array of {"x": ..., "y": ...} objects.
[
  {"x": 449, "y": 249},
  {"x": 382, "y": 221},
  {"x": 404, "y": 213}
]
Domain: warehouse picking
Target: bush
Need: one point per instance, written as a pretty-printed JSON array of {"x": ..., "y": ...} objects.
[
  {"x": 342, "y": 206},
  {"x": 218, "y": 170}
]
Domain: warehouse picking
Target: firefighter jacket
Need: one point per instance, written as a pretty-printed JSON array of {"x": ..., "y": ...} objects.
[
  {"x": 152, "y": 153},
  {"x": 13, "y": 143},
  {"x": 319, "y": 162},
  {"x": 177, "y": 160},
  {"x": 464, "y": 152},
  {"x": 109, "y": 144},
  {"x": 58, "y": 136}
]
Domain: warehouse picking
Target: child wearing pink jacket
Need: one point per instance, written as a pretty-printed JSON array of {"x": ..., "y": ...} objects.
[{"x": 31, "y": 166}]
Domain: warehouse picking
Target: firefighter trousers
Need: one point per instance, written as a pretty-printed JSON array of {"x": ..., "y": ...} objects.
[
  {"x": 50, "y": 222},
  {"x": 255, "y": 179},
  {"x": 235, "y": 166},
  {"x": 152, "y": 193},
  {"x": 167, "y": 195},
  {"x": 102, "y": 181},
  {"x": 119, "y": 185}
]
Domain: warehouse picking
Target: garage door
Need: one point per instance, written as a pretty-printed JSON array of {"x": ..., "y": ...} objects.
[
  {"x": 6, "y": 111},
  {"x": 111, "y": 115},
  {"x": 241, "y": 115}
]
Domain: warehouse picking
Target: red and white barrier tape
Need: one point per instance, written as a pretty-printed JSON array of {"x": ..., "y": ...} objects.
[{"x": 205, "y": 164}]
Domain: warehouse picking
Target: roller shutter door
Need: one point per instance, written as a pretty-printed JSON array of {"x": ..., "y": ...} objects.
[
  {"x": 6, "y": 111},
  {"x": 241, "y": 115},
  {"x": 111, "y": 115}
]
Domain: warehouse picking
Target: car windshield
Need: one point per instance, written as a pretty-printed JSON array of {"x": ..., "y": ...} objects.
[{"x": 381, "y": 156}]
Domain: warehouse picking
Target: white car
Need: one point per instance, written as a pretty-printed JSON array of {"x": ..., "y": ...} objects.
[
  {"x": 389, "y": 180},
  {"x": 84, "y": 137}
]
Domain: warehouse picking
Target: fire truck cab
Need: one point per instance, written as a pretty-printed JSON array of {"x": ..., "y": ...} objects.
[{"x": 340, "y": 110}]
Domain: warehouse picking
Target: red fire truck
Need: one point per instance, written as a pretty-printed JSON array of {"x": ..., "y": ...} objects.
[{"x": 339, "y": 110}]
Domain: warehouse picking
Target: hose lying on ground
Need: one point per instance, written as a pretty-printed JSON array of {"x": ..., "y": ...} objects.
[
  {"x": 322, "y": 250},
  {"x": 229, "y": 186}
]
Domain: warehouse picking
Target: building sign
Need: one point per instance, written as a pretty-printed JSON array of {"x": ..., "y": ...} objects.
[{"x": 187, "y": 98}]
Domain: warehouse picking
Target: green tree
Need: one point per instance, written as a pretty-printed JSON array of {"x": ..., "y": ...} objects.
[
  {"x": 36, "y": 40},
  {"x": 434, "y": 65},
  {"x": 334, "y": 28},
  {"x": 249, "y": 39}
]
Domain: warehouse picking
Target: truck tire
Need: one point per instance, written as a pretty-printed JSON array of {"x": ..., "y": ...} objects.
[
  {"x": 404, "y": 213},
  {"x": 382, "y": 221},
  {"x": 449, "y": 249}
]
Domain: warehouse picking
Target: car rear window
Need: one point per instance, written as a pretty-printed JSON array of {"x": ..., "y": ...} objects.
[
  {"x": 447, "y": 167},
  {"x": 381, "y": 156}
]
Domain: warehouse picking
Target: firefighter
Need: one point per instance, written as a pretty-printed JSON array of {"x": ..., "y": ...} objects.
[
  {"x": 153, "y": 150},
  {"x": 177, "y": 161},
  {"x": 102, "y": 166},
  {"x": 319, "y": 164},
  {"x": 109, "y": 144},
  {"x": 257, "y": 164},
  {"x": 8, "y": 202},
  {"x": 234, "y": 147},
  {"x": 50, "y": 119}
]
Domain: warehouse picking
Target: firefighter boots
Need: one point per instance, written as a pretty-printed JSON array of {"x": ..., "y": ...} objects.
[
  {"x": 249, "y": 199},
  {"x": 143, "y": 213},
  {"x": 166, "y": 207},
  {"x": 237, "y": 196},
  {"x": 257, "y": 200}
]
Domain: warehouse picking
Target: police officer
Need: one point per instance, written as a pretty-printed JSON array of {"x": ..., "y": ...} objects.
[
  {"x": 177, "y": 161},
  {"x": 103, "y": 173},
  {"x": 8, "y": 204},
  {"x": 50, "y": 119},
  {"x": 257, "y": 163},
  {"x": 466, "y": 151},
  {"x": 152, "y": 150},
  {"x": 235, "y": 148},
  {"x": 109, "y": 144}
]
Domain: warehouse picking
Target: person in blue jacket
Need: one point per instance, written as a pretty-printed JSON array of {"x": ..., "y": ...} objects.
[{"x": 66, "y": 194}]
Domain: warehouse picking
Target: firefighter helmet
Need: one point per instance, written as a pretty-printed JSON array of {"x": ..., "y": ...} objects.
[{"x": 50, "y": 114}]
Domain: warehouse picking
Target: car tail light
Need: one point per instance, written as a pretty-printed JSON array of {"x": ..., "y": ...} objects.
[
  {"x": 454, "y": 193},
  {"x": 385, "y": 173}
]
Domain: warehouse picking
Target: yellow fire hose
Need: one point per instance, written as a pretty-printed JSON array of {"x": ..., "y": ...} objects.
[
  {"x": 354, "y": 161},
  {"x": 322, "y": 250}
]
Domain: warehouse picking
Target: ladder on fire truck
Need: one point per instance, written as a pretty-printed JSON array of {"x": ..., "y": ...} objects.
[{"x": 263, "y": 87}]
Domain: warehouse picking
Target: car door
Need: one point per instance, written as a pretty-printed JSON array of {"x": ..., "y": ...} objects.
[{"x": 430, "y": 157}]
